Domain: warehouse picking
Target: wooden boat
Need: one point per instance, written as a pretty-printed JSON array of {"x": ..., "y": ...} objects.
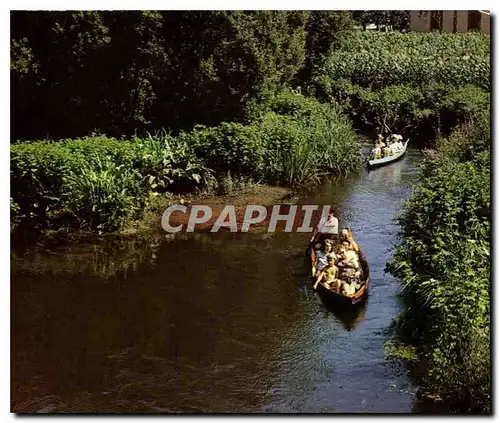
[
  {"x": 340, "y": 300},
  {"x": 389, "y": 159}
]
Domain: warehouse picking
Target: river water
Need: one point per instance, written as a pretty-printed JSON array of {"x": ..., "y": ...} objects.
[{"x": 211, "y": 322}]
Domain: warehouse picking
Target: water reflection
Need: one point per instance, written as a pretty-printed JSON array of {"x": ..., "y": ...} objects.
[
  {"x": 209, "y": 322},
  {"x": 349, "y": 317}
]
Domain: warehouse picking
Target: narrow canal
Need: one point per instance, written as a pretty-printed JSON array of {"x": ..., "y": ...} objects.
[{"x": 211, "y": 322}]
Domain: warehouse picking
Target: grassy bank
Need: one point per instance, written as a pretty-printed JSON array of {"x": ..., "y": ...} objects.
[
  {"x": 101, "y": 184},
  {"x": 444, "y": 266},
  {"x": 420, "y": 84}
]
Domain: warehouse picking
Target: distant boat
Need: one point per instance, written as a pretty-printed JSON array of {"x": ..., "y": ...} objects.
[{"x": 389, "y": 159}]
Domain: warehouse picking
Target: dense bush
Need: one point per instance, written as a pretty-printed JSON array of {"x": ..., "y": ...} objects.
[
  {"x": 291, "y": 139},
  {"x": 118, "y": 72},
  {"x": 371, "y": 59},
  {"x": 444, "y": 266},
  {"x": 103, "y": 195},
  {"x": 170, "y": 163},
  {"x": 103, "y": 181},
  {"x": 301, "y": 149},
  {"x": 229, "y": 147},
  {"x": 90, "y": 177},
  {"x": 420, "y": 112}
]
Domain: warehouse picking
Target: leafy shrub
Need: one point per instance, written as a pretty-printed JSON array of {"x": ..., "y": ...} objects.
[
  {"x": 293, "y": 103},
  {"x": 444, "y": 266},
  {"x": 290, "y": 140},
  {"x": 420, "y": 112},
  {"x": 169, "y": 163},
  {"x": 303, "y": 139},
  {"x": 41, "y": 172},
  {"x": 300, "y": 150},
  {"x": 102, "y": 195},
  {"x": 37, "y": 170},
  {"x": 228, "y": 147}
]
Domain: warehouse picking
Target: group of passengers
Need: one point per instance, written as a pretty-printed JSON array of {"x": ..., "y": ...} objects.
[
  {"x": 392, "y": 145},
  {"x": 337, "y": 263}
]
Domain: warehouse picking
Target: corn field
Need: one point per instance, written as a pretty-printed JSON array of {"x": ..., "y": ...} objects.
[{"x": 375, "y": 60}]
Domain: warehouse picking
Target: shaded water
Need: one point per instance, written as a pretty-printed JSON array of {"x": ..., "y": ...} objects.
[{"x": 211, "y": 322}]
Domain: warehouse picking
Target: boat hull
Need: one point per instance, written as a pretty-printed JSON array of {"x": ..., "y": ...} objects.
[
  {"x": 339, "y": 301},
  {"x": 387, "y": 160}
]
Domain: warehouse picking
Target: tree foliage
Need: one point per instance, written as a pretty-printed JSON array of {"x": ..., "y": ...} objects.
[
  {"x": 420, "y": 84},
  {"x": 75, "y": 72}
]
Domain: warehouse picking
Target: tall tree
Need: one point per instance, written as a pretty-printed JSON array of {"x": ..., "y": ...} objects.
[
  {"x": 117, "y": 72},
  {"x": 324, "y": 30}
]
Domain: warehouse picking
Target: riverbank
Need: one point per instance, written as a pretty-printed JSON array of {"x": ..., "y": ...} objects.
[
  {"x": 253, "y": 194},
  {"x": 444, "y": 264},
  {"x": 149, "y": 225},
  {"x": 99, "y": 184}
]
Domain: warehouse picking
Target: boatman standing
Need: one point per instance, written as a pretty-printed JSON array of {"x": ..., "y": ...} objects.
[{"x": 327, "y": 228}]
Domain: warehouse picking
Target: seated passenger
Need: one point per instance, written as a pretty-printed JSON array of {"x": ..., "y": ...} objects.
[
  {"x": 348, "y": 289},
  {"x": 380, "y": 141},
  {"x": 349, "y": 260},
  {"x": 400, "y": 142},
  {"x": 394, "y": 148},
  {"x": 322, "y": 256},
  {"x": 375, "y": 153},
  {"x": 346, "y": 236},
  {"x": 328, "y": 274},
  {"x": 397, "y": 141},
  {"x": 349, "y": 271}
]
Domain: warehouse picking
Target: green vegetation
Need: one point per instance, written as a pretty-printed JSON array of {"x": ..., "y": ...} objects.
[
  {"x": 444, "y": 266},
  {"x": 118, "y": 73},
  {"x": 215, "y": 101},
  {"x": 418, "y": 84},
  {"x": 100, "y": 183},
  {"x": 210, "y": 85},
  {"x": 97, "y": 183},
  {"x": 374, "y": 59},
  {"x": 397, "y": 350}
]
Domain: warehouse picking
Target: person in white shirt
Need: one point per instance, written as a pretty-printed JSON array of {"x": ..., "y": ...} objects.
[
  {"x": 398, "y": 141},
  {"x": 396, "y": 144},
  {"x": 326, "y": 229}
]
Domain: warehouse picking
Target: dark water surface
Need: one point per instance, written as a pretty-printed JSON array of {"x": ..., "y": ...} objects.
[{"x": 211, "y": 322}]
